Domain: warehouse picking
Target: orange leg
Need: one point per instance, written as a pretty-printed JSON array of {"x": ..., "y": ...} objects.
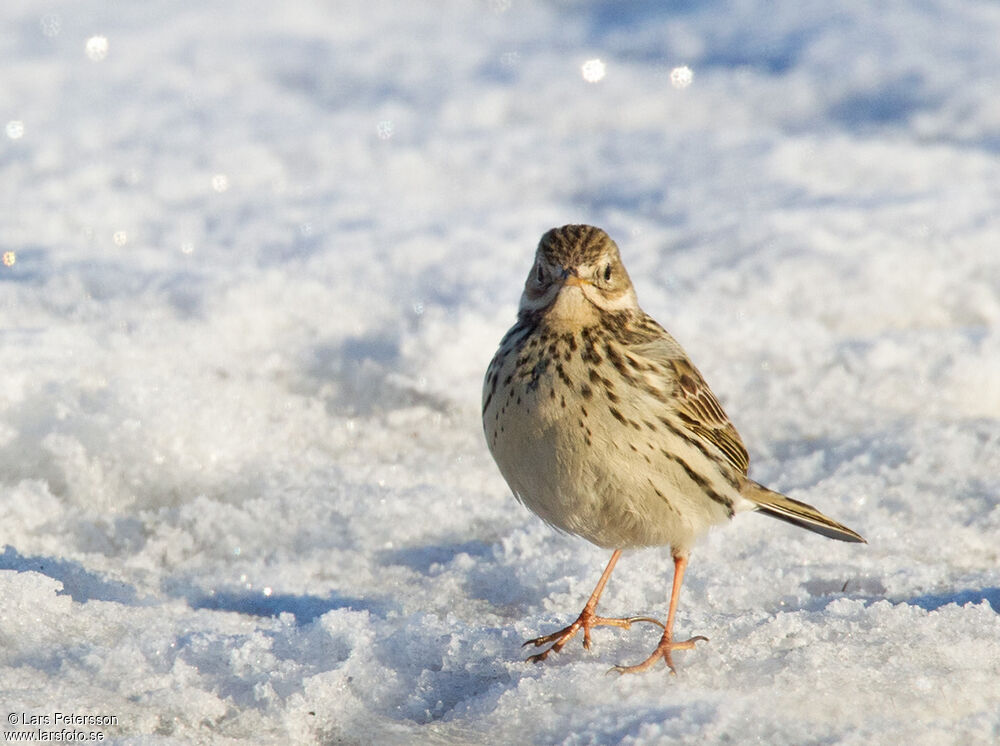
[
  {"x": 587, "y": 620},
  {"x": 667, "y": 644}
]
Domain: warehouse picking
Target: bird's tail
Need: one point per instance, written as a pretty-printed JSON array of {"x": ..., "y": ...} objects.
[{"x": 797, "y": 513}]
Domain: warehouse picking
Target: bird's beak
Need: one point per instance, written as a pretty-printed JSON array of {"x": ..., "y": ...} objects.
[{"x": 571, "y": 279}]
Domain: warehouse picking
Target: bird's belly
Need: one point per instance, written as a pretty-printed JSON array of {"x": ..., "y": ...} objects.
[{"x": 578, "y": 468}]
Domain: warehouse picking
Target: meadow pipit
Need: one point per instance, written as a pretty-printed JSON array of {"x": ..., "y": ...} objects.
[{"x": 602, "y": 426}]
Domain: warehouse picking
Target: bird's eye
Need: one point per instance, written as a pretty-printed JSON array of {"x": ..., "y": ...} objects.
[
  {"x": 607, "y": 272},
  {"x": 539, "y": 274}
]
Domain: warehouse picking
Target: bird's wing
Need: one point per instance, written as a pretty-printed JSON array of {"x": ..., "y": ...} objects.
[{"x": 696, "y": 405}]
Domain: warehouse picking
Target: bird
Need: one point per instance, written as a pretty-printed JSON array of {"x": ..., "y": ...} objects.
[{"x": 602, "y": 426}]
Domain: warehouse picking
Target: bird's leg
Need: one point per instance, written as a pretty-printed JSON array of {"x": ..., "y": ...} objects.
[
  {"x": 667, "y": 645},
  {"x": 587, "y": 619}
]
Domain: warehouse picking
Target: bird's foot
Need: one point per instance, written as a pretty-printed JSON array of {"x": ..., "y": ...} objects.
[
  {"x": 586, "y": 621},
  {"x": 662, "y": 652}
]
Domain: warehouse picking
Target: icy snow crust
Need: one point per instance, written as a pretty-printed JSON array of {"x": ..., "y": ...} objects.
[{"x": 263, "y": 253}]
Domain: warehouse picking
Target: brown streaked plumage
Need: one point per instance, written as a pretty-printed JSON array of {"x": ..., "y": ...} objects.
[{"x": 603, "y": 427}]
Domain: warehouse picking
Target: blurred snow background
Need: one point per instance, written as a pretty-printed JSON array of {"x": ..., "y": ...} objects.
[{"x": 258, "y": 255}]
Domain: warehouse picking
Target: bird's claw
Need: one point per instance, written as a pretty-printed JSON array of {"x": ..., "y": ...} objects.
[
  {"x": 662, "y": 652},
  {"x": 586, "y": 621}
]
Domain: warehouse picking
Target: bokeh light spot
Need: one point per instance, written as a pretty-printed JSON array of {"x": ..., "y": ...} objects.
[
  {"x": 593, "y": 70},
  {"x": 220, "y": 182},
  {"x": 385, "y": 129},
  {"x": 681, "y": 77},
  {"x": 97, "y": 48},
  {"x": 120, "y": 238},
  {"x": 9, "y": 257},
  {"x": 15, "y": 129},
  {"x": 51, "y": 25}
]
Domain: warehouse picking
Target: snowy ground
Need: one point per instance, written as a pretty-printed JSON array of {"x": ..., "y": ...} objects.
[{"x": 261, "y": 253}]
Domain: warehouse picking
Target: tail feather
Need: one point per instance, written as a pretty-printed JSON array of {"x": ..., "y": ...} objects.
[{"x": 797, "y": 513}]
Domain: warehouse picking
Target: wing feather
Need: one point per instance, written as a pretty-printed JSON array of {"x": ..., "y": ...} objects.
[{"x": 696, "y": 405}]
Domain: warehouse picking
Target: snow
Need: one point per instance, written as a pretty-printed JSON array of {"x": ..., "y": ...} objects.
[{"x": 258, "y": 256}]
